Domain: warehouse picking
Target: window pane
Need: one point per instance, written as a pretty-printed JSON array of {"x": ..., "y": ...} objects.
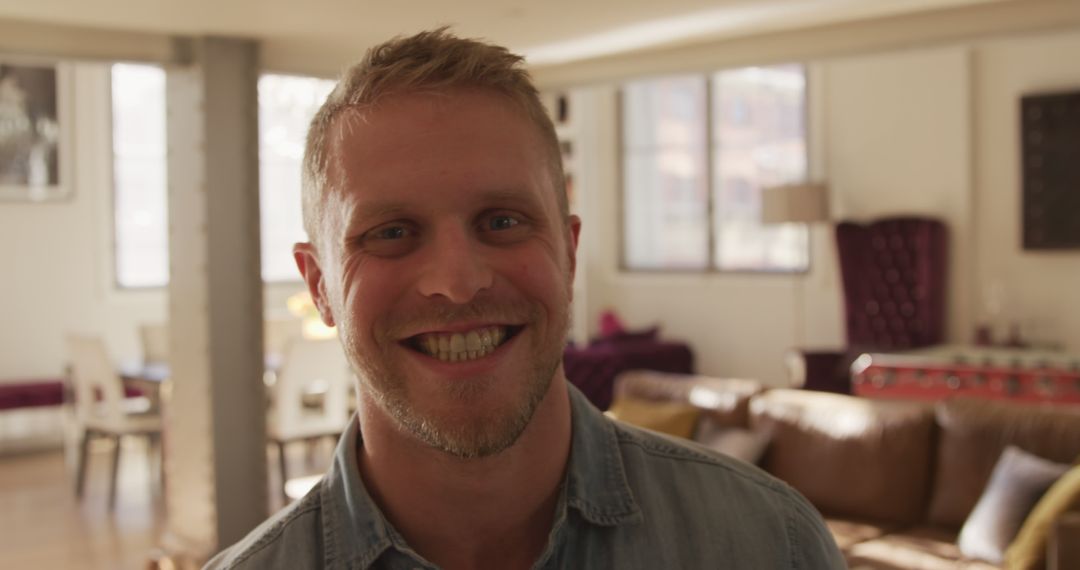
[
  {"x": 665, "y": 174},
  {"x": 759, "y": 134},
  {"x": 286, "y": 105},
  {"x": 140, "y": 199}
]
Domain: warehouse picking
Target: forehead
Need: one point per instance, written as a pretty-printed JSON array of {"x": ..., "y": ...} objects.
[{"x": 445, "y": 143}]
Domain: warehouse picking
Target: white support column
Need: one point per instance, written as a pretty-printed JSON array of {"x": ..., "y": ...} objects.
[{"x": 215, "y": 420}]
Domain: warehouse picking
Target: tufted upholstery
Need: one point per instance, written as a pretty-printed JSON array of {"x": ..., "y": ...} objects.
[{"x": 893, "y": 272}]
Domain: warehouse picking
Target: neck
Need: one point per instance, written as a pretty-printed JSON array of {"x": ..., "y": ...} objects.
[{"x": 470, "y": 513}]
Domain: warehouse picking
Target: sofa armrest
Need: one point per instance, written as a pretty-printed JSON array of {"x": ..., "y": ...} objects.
[
  {"x": 821, "y": 370},
  {"x": 1063, "y": 548}
]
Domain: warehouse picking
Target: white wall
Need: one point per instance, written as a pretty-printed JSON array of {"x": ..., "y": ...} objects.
[
  {"x": 899, "y": 142},
  {"x": 57, "y": 270},
  {"x": 927, "y": 131},
  {"x": 1041, "y": 288},
  {"x": 57, "y": 262}
]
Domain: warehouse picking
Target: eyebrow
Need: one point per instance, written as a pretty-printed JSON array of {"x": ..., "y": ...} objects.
[{"x": 390, "y": 208}]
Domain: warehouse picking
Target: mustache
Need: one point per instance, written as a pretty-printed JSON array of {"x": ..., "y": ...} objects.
[{"x": 437, "y": 315}]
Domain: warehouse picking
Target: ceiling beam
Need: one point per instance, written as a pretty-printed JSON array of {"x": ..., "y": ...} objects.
[{"x": 909, "y": 31}]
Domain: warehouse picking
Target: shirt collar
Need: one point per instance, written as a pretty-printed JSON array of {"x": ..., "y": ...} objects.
[
  {"x": 355, "y": 533},
  {"x": 596, "y": 481}
]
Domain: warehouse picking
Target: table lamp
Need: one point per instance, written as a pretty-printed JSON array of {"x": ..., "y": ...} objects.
[{"x": 796, "y": 203}]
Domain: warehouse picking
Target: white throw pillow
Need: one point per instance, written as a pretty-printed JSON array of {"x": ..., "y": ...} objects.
[
  {"x": 1018, "y": 481},
  {"x": 743, "y": 444}
]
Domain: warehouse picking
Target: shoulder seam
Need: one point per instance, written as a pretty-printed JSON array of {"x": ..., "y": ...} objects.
[
  {"x": 275, "y": 531},
  {"x": 679, "y": 453}
]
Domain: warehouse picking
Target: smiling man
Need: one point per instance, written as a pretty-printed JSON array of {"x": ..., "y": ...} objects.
[{"x": 443, "y": 251}]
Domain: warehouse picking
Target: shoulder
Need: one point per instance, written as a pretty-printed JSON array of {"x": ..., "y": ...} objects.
[
  {"x": 715, "y": 494},
  {"x": 659, "y": 453},
  {"x": 288, "y": 539}
]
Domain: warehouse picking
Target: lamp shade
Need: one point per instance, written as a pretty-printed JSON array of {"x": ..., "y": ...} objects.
[{"x": 795, "y": 203}]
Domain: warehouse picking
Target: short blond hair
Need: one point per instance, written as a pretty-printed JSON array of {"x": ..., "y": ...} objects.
[{"x": 429, "y": 61}]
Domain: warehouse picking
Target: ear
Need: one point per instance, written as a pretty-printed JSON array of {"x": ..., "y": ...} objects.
[
  {"x": 573, "y": 232},
  {"x": 307, "y": 261}
]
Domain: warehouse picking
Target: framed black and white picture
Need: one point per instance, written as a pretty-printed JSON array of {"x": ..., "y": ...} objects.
[{"x": 32, "y": 134}]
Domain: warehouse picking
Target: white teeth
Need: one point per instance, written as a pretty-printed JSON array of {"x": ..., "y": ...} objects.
[
  {"x": 458, "y": 347},
  {"x": 472, "y": 341}
]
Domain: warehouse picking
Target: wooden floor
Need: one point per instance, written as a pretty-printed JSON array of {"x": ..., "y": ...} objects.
[{"x": 42, "y": 525}]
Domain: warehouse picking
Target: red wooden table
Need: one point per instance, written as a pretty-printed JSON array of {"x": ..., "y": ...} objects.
[{"x": 996, "y": 373}]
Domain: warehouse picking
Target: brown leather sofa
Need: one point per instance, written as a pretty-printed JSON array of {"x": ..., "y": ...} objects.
[{"x": 895, "y": 480}]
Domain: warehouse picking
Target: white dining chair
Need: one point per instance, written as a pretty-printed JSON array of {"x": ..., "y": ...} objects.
[
  {"x": 155, "y": 342},
  {"x": 278, "y": 333},
  {"x": 310, "y": 397},
  {"x": 101, "y": 410}
]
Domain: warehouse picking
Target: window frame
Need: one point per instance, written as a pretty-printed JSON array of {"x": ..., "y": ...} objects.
[{"x": 711, "y": 268}]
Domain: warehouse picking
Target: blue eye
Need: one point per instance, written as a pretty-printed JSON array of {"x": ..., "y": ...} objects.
[
  {"x": 391, "y": 233},
  {"x": 502, "y": 223}
]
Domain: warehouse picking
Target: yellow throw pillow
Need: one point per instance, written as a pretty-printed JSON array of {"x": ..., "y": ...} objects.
[
  {"x": 665, "y": 417},
  {"x": 1028, "y": 549}
]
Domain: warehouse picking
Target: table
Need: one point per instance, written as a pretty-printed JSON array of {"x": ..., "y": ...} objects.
[
  {"x": 957, "y": 370},
  {"x": 148, "y": 379}
]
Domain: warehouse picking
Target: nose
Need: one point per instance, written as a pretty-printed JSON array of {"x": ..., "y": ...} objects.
[{"x": 456, "y": 268}]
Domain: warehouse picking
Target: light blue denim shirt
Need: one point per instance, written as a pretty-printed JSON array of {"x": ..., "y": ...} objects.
[{"x": 630, "y": 499}]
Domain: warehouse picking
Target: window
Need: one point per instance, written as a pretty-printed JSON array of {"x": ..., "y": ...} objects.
[
  {"x": 140, "y": 211},
  {"x": 286, "y": 105},
  {"x": 696, "y": 153}
]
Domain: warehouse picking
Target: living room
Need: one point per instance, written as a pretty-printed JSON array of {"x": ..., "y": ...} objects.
[{"x": 911, "y": 113}]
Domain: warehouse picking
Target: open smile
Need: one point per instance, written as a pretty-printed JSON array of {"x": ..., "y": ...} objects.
[{"x": 462, "y": 346}]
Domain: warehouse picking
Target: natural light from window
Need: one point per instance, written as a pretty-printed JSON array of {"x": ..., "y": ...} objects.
[
  {"x": 139, "y": 201},
  {"x": 286, "y": 105},
  {"x": 694, "y": 145}
]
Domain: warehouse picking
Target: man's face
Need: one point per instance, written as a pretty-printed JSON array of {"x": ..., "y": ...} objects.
[{"x": 445, "y": 263}]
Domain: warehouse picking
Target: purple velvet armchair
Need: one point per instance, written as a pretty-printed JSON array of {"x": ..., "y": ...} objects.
[
  {"x": 893, "y": 272},
  {"x": 593, "y": 368}
]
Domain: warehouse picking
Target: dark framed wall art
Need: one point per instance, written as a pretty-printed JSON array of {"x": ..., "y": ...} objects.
[
  {"x": 1050, "y": 147},
  {"x": 33, "y": 133}
]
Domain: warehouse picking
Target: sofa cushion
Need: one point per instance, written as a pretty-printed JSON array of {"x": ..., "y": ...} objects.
[
  {"x": 1018, "y": 481},
  {"x": 924, "y": 548},
  {"x": 741, "y": 443},
  {"x": 723, "y": 400},
  {"x": 849, "y": 532},
  {"x": 849, "y": 456},
  {"x": 974, "y": 432},
  {"x": 672, "y": 418}
]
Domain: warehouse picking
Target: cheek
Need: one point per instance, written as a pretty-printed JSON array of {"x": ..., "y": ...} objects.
[{"x": 540, "y": 278}]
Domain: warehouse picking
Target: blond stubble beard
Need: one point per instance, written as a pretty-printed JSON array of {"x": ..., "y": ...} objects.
[{"x": 476, "y": 436}]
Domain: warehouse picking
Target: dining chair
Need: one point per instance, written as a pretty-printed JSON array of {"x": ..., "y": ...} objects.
[
  {"x": 101, "y": 410},
  {"x": 155, "y": 342},
  {"x": 310, "y": 397},
  {"x": 278, "y": 333}
]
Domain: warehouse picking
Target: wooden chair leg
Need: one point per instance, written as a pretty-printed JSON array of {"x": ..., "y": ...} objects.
[
  {"x": 153, "y": 454},
  {"x": 115, "y": 470},
  {"x": 80, "y": 469},
  {"x": 281, "y": 465}
]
